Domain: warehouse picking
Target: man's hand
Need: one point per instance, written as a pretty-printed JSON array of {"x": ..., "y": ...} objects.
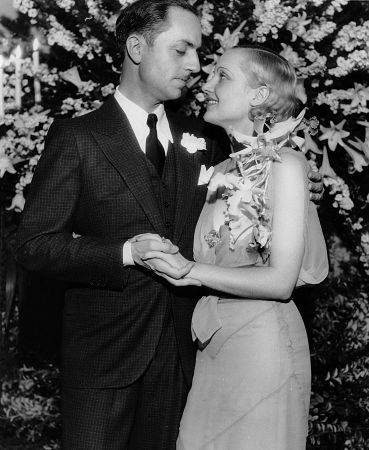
[
  {"x": 316, "y": 187},
  {"x": 144, "y": 243},
  {"x": 159, "y": 255}
]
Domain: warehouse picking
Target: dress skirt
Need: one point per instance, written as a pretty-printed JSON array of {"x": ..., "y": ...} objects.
[{"x": 251, "y": 385}]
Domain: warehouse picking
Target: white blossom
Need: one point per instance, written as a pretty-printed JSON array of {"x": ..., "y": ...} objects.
[
  {"x": 317, "y": 66},
  {"x": 356, "y": 60},
  {"x": 341, "y": 193},
  {"x": 23, "y": 6},
  {"x": 352, "y": 36},
  {"x": 348, "y": 101},
  {"x": 296, "y": 25},
  {"x": 207, "y": 18},
  {"x": 67, "y": 5},
  {"x": 270, "y": 16},
  {"x": 107, "y": 89},
  {"x": 58, "y": 34},
  {"x": 318, "y": 31},
  {"x": 292, "y": 56},
  {"x": 335, "y": 6},
  {"x": 126, "y": 2}
]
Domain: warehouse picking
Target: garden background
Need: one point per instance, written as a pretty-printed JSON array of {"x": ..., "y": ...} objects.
[{"x": 327, "y": 41}]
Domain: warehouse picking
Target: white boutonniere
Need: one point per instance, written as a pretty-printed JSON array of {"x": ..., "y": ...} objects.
[
  {"x": 193, "y": 143},
  {"x": 205, "y": 175}
]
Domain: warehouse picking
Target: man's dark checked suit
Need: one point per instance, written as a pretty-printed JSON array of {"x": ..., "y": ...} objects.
[{"x": 93, "y": 189}]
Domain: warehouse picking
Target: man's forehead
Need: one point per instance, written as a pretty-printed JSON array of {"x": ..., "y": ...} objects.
[{"x": 181, "y": 34}]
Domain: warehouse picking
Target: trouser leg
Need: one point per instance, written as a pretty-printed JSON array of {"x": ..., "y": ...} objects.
[
  {"x": 98, "y": 419},
  {"x": 162, "y": 398}
]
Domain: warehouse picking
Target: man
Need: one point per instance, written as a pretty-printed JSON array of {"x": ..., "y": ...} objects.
[{"x": 127, "y": 354}]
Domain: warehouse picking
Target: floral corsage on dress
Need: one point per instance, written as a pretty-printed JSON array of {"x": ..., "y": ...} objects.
[{"x": 244, "y": 186}]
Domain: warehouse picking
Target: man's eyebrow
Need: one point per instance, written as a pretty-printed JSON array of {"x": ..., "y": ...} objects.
[{"x": 184, "y": 41}]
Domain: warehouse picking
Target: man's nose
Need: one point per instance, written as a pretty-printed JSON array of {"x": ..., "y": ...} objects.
[{"x": 193, "y": 63}]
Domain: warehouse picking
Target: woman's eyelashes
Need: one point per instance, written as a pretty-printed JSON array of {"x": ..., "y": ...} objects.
[{"x": 223, "y": 75}]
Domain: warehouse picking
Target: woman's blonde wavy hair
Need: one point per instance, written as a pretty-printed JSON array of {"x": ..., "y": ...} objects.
[{"x": 263, "y": 67}]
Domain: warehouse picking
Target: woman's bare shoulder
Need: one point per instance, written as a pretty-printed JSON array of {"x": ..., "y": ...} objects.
[{"x": 293, "y": 159}]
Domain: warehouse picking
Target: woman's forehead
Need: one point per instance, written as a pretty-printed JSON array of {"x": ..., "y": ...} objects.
[{"x": 232, "y": 58}]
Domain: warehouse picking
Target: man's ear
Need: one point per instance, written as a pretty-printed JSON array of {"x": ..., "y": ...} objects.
[
  {"x": 261, "y": 94},
  {"x": 134, "y": 47}
]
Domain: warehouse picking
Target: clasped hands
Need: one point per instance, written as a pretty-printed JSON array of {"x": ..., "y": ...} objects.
[{"x": 162, "y": 257}]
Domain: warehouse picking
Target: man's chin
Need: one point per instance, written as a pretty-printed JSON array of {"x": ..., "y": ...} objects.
[
  {"x": 177, "y": 93},
  {"x": 209, "y": 117}
]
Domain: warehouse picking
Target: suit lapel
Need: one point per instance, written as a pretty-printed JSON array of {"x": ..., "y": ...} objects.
[
  {"x": 187, "y": 173},
  {"x": 116, "y": 139}
]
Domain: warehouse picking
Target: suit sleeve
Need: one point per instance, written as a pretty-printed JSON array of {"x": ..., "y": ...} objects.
[{"x": 45, "y": 242}]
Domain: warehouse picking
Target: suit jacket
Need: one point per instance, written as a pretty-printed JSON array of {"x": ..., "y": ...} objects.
[{"x": 92, "y": 180}]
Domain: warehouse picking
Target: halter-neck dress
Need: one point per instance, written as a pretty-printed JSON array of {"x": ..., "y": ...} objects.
[{"x": 251, "y": 386}]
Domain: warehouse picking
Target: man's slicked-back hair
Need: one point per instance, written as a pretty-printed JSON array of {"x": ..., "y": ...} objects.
[{"x": 146, "y": 17}]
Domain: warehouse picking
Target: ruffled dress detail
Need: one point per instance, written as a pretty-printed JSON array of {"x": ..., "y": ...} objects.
[{"x": 251, "y": 386}]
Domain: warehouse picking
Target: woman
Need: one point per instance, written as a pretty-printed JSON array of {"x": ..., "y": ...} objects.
[{"x": 258, "y": 237}]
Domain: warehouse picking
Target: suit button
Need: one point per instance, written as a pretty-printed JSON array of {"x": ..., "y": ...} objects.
[
  {"x": 164, "y": 186},
  {"x": 167, "y": 224},
  {"x": 166, "y": 204}
]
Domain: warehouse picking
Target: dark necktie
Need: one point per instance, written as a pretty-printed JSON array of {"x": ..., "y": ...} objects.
[{"x": 154, "y": 149}]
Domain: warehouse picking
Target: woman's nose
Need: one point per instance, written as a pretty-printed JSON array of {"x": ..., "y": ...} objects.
[{"x": 208, "y": 86}]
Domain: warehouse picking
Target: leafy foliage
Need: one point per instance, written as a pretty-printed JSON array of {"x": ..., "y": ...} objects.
[{"x": 29, "y": 400}]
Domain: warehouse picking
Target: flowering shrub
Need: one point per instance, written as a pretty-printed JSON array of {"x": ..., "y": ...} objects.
[
  {"x": 22, "y": 145},
  {"x": 30, "y": 403},
  {"x": 339, "y": 406},
  {"x": 326, "y": 41},
  {"x": 29, "y": 400}
]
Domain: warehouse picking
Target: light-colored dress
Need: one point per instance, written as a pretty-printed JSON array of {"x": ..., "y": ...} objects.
[{"x": 251, "y": 386}]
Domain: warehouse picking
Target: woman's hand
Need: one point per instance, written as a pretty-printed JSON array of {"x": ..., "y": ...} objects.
[
  {"x": 185, "y": 281},
  {"x": 175, "y": 268},
  {"x": 173, "y": 265}
]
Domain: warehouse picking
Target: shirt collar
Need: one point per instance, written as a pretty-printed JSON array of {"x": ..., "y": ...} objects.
[{"x": 137, "y": 118}]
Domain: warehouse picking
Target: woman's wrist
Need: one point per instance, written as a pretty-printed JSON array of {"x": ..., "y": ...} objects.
[{"x": 194, "y": 271}]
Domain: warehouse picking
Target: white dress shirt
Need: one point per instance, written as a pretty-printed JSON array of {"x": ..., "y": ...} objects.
[{"x": 137, "y": 118}]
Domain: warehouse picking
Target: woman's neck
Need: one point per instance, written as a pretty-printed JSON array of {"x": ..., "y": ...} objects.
[{"x": 246, "y": 128}]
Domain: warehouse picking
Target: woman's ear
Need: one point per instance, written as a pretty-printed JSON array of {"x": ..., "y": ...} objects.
[
  {"x": 134, "y": 47},
  {"x": 261, "y": 94}
]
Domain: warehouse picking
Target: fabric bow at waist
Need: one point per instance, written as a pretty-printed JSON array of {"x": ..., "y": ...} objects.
[
  {"x": 205, "y": 319},
  {"x": 209, "y": 329}
]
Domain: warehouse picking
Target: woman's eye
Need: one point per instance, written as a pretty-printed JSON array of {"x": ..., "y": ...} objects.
[{"x": 180, "y": 52}]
